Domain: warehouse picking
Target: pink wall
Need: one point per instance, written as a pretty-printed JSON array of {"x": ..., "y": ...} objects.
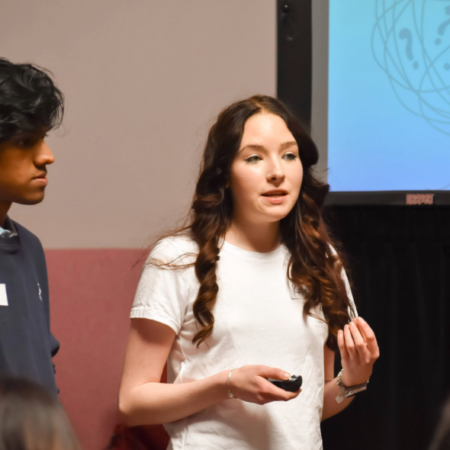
[{"x": 91, "y": 292}]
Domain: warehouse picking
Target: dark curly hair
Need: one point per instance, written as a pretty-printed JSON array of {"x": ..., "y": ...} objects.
[
  {"x": 29, "y": 101},
  {"x": 315, "y": 262}
]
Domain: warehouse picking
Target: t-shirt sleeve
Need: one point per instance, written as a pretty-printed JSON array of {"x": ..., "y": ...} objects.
[{"x": 162, "y": 291}]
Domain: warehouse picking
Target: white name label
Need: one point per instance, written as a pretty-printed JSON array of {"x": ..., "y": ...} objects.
[{"x": 3, "y": 296}]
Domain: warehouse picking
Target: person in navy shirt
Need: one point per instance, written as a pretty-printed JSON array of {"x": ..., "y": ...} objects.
[{"x": 30, "y": 106}]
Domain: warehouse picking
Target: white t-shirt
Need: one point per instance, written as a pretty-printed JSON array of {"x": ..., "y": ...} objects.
[{"x": 258, "y": 320}]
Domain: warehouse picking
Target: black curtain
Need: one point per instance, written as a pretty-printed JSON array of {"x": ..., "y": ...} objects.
[{"x": 399, "y": 260}]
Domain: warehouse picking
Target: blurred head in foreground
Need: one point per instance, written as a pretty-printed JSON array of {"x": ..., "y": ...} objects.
[
  {"x": 441, "y": 440},
  {"x": 32, "y": 419}
]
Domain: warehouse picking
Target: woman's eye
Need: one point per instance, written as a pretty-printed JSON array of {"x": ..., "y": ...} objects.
[
  {"x": 290, "y": 156},
  {"x": 253, "y": 159}
]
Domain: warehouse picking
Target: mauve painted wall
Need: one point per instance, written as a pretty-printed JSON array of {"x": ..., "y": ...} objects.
[
  {"x": 91, "y": 292},
  {"x": 91, "y": 296},
  {"x": 143, "y": 80}
]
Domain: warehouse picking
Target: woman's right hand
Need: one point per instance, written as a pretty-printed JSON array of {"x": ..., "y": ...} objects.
[{"x": 249, "y": 383}]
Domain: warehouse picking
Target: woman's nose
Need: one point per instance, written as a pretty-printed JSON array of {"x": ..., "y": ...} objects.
[{"x": 275, "y": 172}]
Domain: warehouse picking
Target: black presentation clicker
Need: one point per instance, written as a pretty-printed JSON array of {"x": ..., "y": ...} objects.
[{"x": 293, "y": 384}]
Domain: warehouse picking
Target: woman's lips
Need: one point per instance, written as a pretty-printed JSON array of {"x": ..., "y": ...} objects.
[{"x": 275, "y": 199}]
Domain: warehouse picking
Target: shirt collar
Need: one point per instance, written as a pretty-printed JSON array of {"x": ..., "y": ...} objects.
[{"x": 8, "y": 230}]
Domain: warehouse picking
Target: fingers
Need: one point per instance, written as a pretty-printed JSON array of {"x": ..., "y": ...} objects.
[
  {"x": 342, "y": 347},
  {"x": 360, "y": 344},
  {"x": 349, "y": 343},
  {"x": 358, "y": 322},
  {"x": 291, "y": 395},
  {"x": 269, "y": 391},
  {"x": 272, "y": 372},
  {"x": 249, "y": 383},
  {"x": 371, "y": 341},
  {"x": 358, "y": 341},
  {"x": 359, "y": 350},
  {"x": 275, "y": 393}
]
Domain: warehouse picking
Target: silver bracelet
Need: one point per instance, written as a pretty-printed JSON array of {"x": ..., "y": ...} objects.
[
  {"x": 348, "y": 391},
  {"x": 228, "y": 384}
]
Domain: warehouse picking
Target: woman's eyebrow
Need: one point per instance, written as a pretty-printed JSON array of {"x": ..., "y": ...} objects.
[
  {"x": 287, "y": 144},
  {"x": 252, "y": 147},
  {"x": 283, "y": 146}
]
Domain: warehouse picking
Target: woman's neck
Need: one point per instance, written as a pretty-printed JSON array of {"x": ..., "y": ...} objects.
[{"x": 261, "y": 238}]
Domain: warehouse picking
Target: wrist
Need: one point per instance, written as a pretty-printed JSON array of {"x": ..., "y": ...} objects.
[
  {"x": 350, "y": 379},
  {"x": 221, "y": 387},
  {"x": 230, "y": 390},
  {"x": 349, "y": 390}
]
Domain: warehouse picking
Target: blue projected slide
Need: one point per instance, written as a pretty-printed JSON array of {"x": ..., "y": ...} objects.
[{"x": 389, "y": 95}]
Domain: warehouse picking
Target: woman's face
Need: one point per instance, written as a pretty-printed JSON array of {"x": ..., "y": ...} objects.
[{"x": 266, "y": 174}]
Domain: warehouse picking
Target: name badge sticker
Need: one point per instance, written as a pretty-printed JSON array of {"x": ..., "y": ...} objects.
[{"x": 3, "y": 296}]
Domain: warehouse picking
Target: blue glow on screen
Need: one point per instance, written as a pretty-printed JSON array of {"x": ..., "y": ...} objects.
[{"x": 389, "y": 95}]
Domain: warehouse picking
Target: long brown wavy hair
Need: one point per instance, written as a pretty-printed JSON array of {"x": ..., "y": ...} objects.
[{"x": 315, "y": 264}]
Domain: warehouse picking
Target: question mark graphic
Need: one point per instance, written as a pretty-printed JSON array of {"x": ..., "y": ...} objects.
[
  {"x": 443, "y": 26},
  {"x": 406, "y": 34}
]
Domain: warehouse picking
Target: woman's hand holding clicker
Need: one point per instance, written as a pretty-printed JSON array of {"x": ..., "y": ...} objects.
[
  {"x": 249, "y": 383},
  {"x": 359, "y": 351}
]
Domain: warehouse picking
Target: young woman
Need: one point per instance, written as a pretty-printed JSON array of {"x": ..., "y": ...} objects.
[{"x": 252, "y": 289}]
